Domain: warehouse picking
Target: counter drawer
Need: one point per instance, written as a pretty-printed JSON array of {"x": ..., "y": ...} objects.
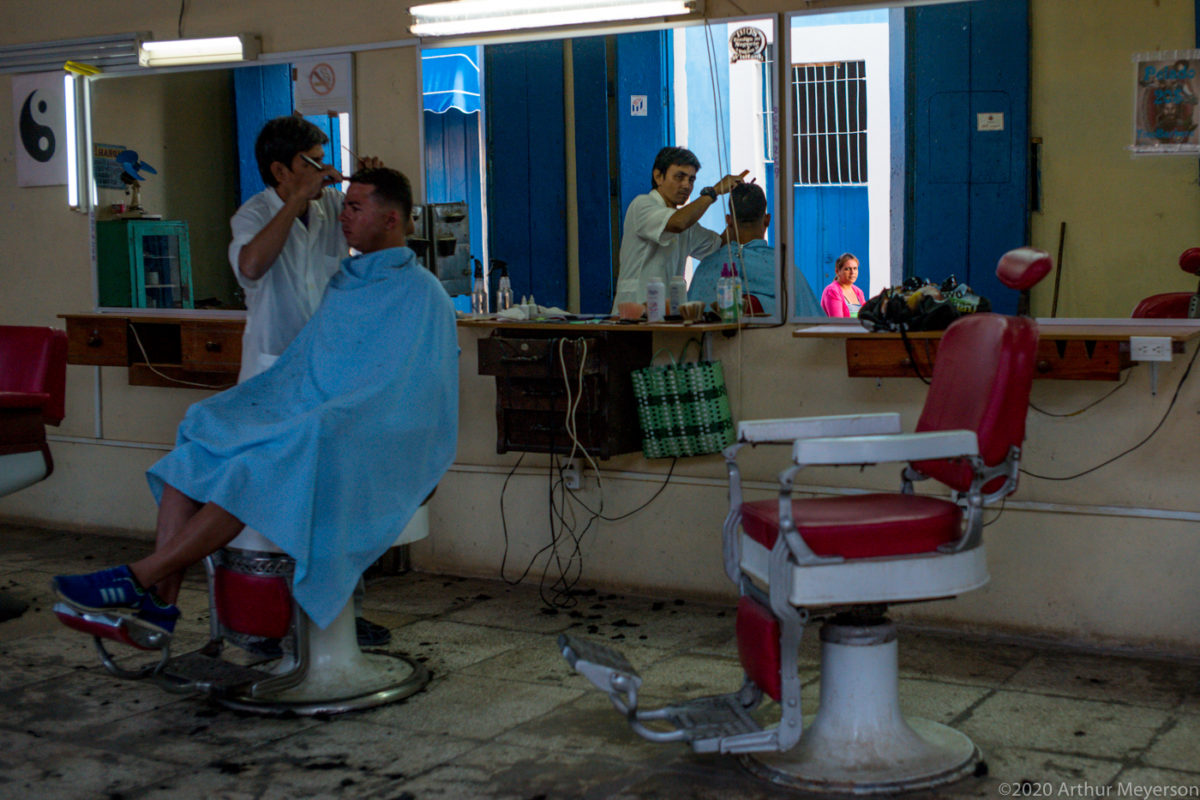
[
  {"x": 212, "y": 347},
  {"x": 99, "y": 342},
  {"x": 512, "y": 357},
  {"x": 533, "y": 394}
]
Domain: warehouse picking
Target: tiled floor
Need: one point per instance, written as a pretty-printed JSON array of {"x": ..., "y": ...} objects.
[{"x": 505, "y": 718}]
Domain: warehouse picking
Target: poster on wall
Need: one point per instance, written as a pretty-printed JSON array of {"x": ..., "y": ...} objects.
[
  {"x": 1166, "y": 116},
  {"x": 39, "y": 127},
  {"x": 106, "y": 170}
]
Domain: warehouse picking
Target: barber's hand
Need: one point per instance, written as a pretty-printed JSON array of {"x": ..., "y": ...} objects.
[
  {"x": 307, "y": 182},
  {"x": 726, "y": 184},
  {"x": 370, "y": 162}
]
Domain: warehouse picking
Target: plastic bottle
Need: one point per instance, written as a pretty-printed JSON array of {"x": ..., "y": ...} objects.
[
  {"x": 532, "y": 309},
  {"x": 479, "y": 301},
  {"x": 678, "y": 295},
  {"x": 525, "y": 305},
  {"x": 725, "y": 302},
  {"x": 656, "y": 298},
  {"x": 504, "y": 295}
]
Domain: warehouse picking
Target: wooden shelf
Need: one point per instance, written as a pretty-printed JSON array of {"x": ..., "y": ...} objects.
[
  {"x": 1089, "y": 350},
  {"x": 606, "y": 324}
]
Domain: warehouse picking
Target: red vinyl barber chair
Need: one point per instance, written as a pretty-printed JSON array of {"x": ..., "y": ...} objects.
[
  {"x": 309, "y": 670},
  {"x": 843, "y": 560},
  {"x": 1173, "y": 305},
  {"x": 33, "y": 380}
]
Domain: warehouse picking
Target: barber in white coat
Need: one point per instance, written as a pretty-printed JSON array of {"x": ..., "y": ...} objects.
[{"x": 660, "y": 226}]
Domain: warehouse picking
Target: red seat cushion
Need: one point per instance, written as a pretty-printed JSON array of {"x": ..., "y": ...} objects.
[
  {"x": 758, "y": 646},
  {"x": 256, "y": 605},
  {"x": 860, "y": 526}
]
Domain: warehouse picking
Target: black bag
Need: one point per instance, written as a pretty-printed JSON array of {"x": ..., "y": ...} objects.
[{"x": 920, "y": 305}]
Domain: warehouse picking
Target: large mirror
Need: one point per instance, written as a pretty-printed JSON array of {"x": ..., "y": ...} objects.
[
  {"x": 192, "y": 132},
  {"x": 550, "y": 141}
]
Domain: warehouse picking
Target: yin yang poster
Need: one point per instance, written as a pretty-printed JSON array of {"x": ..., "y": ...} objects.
[{"x": 40, "y": 129}]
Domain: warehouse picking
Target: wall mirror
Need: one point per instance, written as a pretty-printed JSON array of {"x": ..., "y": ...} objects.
[
  {"x": 193, "y": 132},
  {"x": 560, "y": 135}
]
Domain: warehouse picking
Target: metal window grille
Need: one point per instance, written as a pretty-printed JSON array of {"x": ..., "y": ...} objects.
[{"x": 831, "y": 123}]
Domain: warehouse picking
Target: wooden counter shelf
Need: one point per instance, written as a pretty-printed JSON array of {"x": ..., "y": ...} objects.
[
  {"x": 200, "y": 347},
  {"x": 1081, "y": 349}
]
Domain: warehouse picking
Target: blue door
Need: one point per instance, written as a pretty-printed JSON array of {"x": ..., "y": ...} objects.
[
  {"x": 968, "y": 95},
  {"x": 829, "y": 221}
]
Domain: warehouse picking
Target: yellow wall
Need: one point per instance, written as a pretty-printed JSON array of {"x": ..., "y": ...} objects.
[{"x": 1066, "y": 560}]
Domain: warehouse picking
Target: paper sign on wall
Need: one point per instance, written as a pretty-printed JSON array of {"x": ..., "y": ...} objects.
[
  {"x": 322, "y": 85},
  {"x": 638, "y": 106},
  {"x": 1166, "y": 107},
  {"x": 40, "y": 128}
]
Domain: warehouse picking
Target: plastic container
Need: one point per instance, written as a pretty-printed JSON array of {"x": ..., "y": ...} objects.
[
  {"x": 479, "y": 301},
  {"x": 656, "y": 300},
  {"x": 677, "y": 295},
  {"x": 727, "y": 305}
]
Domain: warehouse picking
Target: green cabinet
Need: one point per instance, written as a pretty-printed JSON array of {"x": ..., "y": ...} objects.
[{"x": 144, "y": 263}]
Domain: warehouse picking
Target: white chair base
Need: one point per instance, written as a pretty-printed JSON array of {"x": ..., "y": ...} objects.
[
  {"x": 19, "y": 470},
  {"x": 340, "y": 677},
  {"x": 859, "y": 742}
]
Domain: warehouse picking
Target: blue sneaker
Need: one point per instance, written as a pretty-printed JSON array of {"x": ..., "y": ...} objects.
[
  {"x": 99, "y": 591},
  {"x": 116, "y": 590},
  {"x": 156, "y": 613}
]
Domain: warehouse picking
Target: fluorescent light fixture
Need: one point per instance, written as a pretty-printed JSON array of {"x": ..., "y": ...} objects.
[
  {"x": 175, "y": 52},
  {"x": 488, "y": 16},
  {"x": 72, "y": 141}
]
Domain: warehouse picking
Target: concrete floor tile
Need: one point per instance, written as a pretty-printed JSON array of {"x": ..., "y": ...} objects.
[
  {"x": 620, "y": 621},
  {"x": 590, "y": 724},
  {"x": 347, "y": 759},
  {"x": 190, "y": 732},
  {"x": 705, "y": 778},
  {"x": 541, "y": 661},
  {"x": 423, "y": 595},
  {"x": 501, "y": 772},
  {"x": 61, "y": 708},
  {"x": 445, "y": 647},
  {"x": 1178, "y": 747},
  {"x": 63, "y": 772},
  {"x": 471, "y": 707},
  {"x": 936, "y": 700},
  {"x": 1157, "y": 684},
  {"x": 1016, "y": 764},
  {"x": 1062, "y": 725},
  {"x": 514, "y": 608},
  {"x": 950, "y": 658}
]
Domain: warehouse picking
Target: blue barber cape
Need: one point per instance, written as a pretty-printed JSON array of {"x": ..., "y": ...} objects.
[{"x": 330, "y": 451}]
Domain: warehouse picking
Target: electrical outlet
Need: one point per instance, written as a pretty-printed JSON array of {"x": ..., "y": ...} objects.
[
  {"x": 1150, "y": 348},
  {"x": 572, "y": 478}
]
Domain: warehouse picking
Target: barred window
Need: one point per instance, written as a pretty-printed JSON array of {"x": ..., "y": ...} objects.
[{"x": 831, "y": 123}]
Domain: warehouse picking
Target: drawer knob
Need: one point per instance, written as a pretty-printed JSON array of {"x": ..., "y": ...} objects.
[
  {"x": 1043, "y": 367},
  {"x": 212, "y": 347},
  {"x": 95, "y": 339}
]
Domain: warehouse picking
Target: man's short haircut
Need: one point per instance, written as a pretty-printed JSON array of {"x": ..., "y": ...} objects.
[
  {"x": 280, "y": 140},
  {"x": 748, "y": 202},
  {"x": 672, "y": 156},
  {"x": 389, "y": 186}
]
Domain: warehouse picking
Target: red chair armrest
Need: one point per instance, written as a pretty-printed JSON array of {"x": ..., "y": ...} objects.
[{"x": 36, "y": 400}]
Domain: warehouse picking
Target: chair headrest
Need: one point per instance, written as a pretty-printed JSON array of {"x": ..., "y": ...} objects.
[
  {"x": 1189, "y": 260},
  {"x": 34, "y": 360},
  {"x": 1023, "y": 267}
]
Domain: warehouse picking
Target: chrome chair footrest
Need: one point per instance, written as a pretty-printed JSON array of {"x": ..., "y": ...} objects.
[
  {"x": 707, "y": 721},
  {"x": 605, "y": 667}
]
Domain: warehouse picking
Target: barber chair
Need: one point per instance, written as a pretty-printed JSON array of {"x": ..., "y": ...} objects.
[
  {"x": 33, "y": 380},
  {"x": 251, "y": 606},
  {"x": 1173, "y": 305},
  {"x": 843, "y": 560}
]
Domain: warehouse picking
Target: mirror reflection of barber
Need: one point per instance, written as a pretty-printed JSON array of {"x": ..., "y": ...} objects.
[{"x": 660, "y": 226}]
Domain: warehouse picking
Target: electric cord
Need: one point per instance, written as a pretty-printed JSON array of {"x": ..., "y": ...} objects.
[
  {"x": 1127, "y": 451},
  {"x": 1092, "y": 404}
]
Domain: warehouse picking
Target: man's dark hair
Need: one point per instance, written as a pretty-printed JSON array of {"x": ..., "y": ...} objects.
[
  {"x": 389, "y": 187},
  {"x": 748, "y": 202},
  {"x": 672, "y": 156},
  {"x": 280, "y": 140}
]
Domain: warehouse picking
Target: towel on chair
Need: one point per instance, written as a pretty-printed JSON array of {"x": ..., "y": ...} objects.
[{"x": 330, "y": 451}]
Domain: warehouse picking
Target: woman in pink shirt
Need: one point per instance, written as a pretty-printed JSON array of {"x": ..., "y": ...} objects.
[{"x": 842, "y": 298}]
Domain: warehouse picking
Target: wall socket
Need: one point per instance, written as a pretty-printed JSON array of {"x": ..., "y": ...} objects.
[
  {"x": 1150, "y": 348},
  {"x": 572, "y": 476}
]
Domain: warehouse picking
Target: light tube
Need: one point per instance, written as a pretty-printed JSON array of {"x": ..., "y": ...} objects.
[
  {"x": 175, "y": 52},
  {"x": 487, "y": 16},
  {"x": 69, "y": 116}
]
